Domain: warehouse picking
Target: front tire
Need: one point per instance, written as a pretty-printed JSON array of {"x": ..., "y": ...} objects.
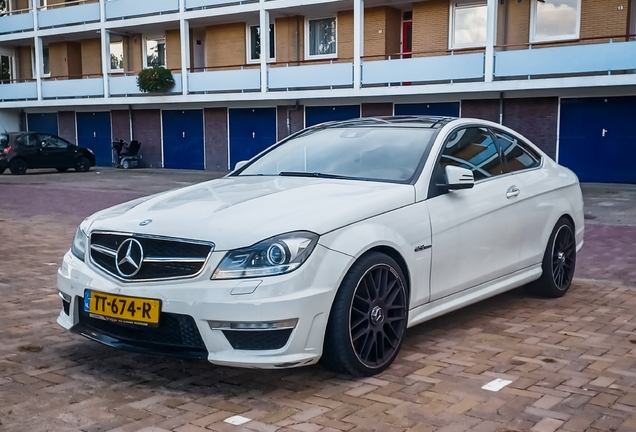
[
  {"x": 82, "y": 164},
  {"x": 559, "y": 262},
  {"x": 125, "y": 164},
  {"x": 368, "y": 318},
  {"x": 18, "y": 167}
]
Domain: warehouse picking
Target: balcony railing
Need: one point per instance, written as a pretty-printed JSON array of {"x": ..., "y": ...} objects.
[
  {"x": 16, "y": 21},
  {"x": 310, "y": 74},
  {"x": 73, "y": 87},
  {"x": 125, "y": 84},
  {"x": 18, "y": 90},
  {"x": 62, "y": 14},
  {"x": 204, "y": 4},
  {"x": 237, "y": 78},
  {"x": 118, "y": 9}
]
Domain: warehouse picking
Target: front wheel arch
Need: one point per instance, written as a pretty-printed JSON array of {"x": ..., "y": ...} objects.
[{"x": 399, "y": 259}]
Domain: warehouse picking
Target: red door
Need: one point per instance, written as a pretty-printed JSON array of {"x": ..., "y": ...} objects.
[{"x": 407, "y": 39}]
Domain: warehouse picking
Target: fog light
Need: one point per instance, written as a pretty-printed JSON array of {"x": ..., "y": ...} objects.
[{"x": 269, "y": 325}]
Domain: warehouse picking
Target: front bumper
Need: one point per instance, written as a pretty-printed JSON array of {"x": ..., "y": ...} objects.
[{"x": 305, "y": 295}]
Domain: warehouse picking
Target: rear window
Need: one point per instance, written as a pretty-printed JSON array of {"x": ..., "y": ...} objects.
[{"x": 4, "y": 141}]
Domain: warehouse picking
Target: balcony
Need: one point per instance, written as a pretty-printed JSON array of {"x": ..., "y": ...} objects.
[
  {"x": 69, "y": 13},
  {"x": 211, "y": 81},
  {"x": 13, "y": 90},
  {"x": 205, "y": 4},
  {"x": 415, "y": 70},
  {"x": 310, "y": 75},
  {"x": 120, "y": 9},
  {"x": 553, "y": 61},
  {"x": 17, "y": 21},
  {"x": 126, "y": 85},
  {"x": 72, "y": 87}
]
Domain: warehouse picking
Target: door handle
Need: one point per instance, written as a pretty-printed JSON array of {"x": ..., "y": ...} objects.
[
  {"x": 183, "y": 134},
  {"x": 94, "y": 134},
  {"x": 512, "y": 192},
  {"x": 604, "y": 132}
]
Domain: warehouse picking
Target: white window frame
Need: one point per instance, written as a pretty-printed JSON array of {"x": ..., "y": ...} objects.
[
  {"x": 451, "y": 23},
  {"x": 533, "y": 26},
  {"x": 308, "y": 56},
  {"x": 12, "y": 66},
  {"x": 122, "y": 50},
  {"x": 248, "y": 39},
  {"x": 45, "y": 75},
  {"x": 157, "y": 38}
]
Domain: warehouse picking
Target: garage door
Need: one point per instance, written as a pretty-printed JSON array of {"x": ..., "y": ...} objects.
[
  {"x": 321, "y": 114},
  {"x": 183, "y": 144},
  {"x": 598, "y": 138},
  {"x": 449, "y": 109},
  {"x": 93, "y": 132},
  {"x": 44, "y": 122},
  {"x": 252, "y": 130}
]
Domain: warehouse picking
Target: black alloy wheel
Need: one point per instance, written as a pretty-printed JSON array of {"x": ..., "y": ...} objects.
[
  {"x": 559, "y": 261},
  {"x": 368, "y": 318},
  {"x": 82, "y": 164},
  {"x": 18, "y": 167}
]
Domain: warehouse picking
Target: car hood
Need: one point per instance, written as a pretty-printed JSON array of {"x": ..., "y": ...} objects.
[{"x": 234, "y": 212}]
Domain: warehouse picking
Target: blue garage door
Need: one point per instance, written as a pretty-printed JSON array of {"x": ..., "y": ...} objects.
[
  {"x": 598, "y": 138},
  {"x": 183, "y": 146},
  {"x": 321, "y": 114},
  {"x": 449, "y": 109},
  {"x": 45, "y": 122},
  {"x": 93, "y": 132},
  {"x": 252, "y": 130}
]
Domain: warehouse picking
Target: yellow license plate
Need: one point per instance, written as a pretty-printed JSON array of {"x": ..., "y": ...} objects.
[{"x": 133, "y": 310}]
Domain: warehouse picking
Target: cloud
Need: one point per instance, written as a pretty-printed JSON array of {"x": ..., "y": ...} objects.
[{"x": 557, "y": 18}]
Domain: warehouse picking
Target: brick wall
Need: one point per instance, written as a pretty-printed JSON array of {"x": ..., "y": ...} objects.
[
  {"x": 430, "y": 26},
  {"x": 377, "y": 109},
  {"x": 120, "y": 124},
  {"x": 285, "y": 34},
  {"x": 602, "y": 18},
  {"x": 487, "y": 109},
  {"x": 344, "y": 34},
  {"x": 393, "y": 31},
  {"x": 518, "y": 26},
  {"x": 57, "y": 59},
  {"x": 66, "y": 125},
  {"x": 91, "y": 56},
  {"x": 374, "y": 31},
  {"x": 146, "y": 128},
  {"x": 296, "y": 117},
  {"x": 25, "y": 68},
  {"x": 173, "y": 49},
  {"x": 216, "y": 145},
  {"x": 225, "y": 45},
  {"x": 74, "y": 54},
  {"x": 133, "y": 53},
  {"x": 536, "y": 119},
  {"x": 20, "y": 4}
]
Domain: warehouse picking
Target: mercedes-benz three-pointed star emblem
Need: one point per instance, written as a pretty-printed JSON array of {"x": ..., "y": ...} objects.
[{"x": 130, "y": 256}]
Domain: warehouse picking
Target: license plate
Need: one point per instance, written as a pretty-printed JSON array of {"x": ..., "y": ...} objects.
[{"x": 134, "y": 310}]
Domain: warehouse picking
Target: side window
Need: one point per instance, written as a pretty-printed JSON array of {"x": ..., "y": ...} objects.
[
  {"x": 28, "y": 140},
  {"x": 518, "y": 155},
  {"x": 472, "y": 148},
  {"x": 50, "y": 141}
]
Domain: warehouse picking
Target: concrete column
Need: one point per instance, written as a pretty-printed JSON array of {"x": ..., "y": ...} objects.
[
  {"x": 264, "y": 25},
  {"x": 102, "y": 10},
  {"x": 105, "y": 60},
  {"x": 185, "y": 52},
  {"x": 38, "y": 65},
  {"x": 491, "y": 37},
  {"x": 358, "y": 41}
]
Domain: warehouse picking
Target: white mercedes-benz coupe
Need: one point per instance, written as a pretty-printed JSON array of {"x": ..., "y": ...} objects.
[{"x": 327, "y": 246}]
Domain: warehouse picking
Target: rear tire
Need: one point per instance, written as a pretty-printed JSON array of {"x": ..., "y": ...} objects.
[
  {"x": 559, "y": 262},
  {"x": 82, "y": 164},
  {"x": 368, "y": 318},
  {"x": 18, "y": 167},
  {"x": 62, "y": 169}
]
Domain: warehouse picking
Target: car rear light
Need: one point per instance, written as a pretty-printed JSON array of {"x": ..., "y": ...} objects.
[{"x": 6, "y": 150}]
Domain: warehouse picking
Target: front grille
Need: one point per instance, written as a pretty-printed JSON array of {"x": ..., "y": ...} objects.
[
  {"x": 257, "y": 340},
  {"x": 174, "y": 332},
  {"x": 160, "y": 258}
]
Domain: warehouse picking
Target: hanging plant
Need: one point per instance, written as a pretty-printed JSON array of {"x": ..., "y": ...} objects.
[{"x": 156, "y": 79}]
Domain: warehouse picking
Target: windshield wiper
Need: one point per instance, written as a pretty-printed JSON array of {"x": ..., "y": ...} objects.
[{"x": 315, "y": 174}]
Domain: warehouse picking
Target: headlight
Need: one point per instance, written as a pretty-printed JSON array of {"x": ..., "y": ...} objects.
[
  {"x": 78, "y": 248},
  {"x": 274, "y": 256}
]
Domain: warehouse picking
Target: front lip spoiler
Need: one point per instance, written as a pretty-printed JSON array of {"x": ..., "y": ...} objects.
[{"x": 139, "y": 347}]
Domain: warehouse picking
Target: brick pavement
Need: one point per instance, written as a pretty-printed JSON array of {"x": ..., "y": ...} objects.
[{"x": 572, "y": 363}]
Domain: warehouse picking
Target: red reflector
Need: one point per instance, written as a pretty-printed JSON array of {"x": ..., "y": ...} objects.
[{"x": 6, "y": 150}]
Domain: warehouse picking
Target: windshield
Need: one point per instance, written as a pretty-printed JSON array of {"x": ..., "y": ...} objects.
[{"x": 389, "y": 154}]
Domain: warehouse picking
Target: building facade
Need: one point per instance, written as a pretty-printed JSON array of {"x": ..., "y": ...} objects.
[{"x": 562, "y": 72}]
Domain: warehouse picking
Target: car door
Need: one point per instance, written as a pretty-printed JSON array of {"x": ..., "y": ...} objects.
[
  {"x": 57, "y": 152},
  {"x": 524, "y": 164},
  {"x": 475, "y": 232},
  {"x": 27, "y": 146}
]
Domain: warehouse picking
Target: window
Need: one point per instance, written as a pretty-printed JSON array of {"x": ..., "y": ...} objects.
[
  {"x": 6, "y": 68},
  {"x": 117, "y": 56},
  {"x": 254, "y": 43},
  {"x": 518, "y": 155},
  {"x": 50, "y": 141},
  {"x": 474, "y": 149},
  {"x": 28, "y": 140},
  {"x": 321, "y": 38},
  {"x": 468, "y": 24},
  {"x": 555, "y": 20},
  {"x": 46, "y": 70},
  {"x": 156, "y": 52}
]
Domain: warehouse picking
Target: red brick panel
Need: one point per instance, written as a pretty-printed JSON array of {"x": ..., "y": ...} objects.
[
  {"x": 216, "y": 146},
  {"x": 120, "y": 120},
  {"x": 66, "y": 125},
  {"x": 536, "y": 119},
  {"x": 377, "y": 109},
  {"x": 296, "y": 120},
  {"x": 481, "y": 109},
  {"x": 146, "y": 128}
]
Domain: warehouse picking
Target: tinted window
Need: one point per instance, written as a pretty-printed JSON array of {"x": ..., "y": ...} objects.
[
  {"x": 51, "y": 141},
  {"x": 4, "y": 140},
  {"x": 472, "y": 148},
  {"x": 28, "y": 140},
  {"x": 518, "y": 155}
]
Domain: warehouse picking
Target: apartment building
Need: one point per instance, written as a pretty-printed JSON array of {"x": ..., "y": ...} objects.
[{"x": 562, "y": 72}]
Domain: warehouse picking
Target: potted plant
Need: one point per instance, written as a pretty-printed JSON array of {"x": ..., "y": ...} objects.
[{"x": 156, "y": 79}]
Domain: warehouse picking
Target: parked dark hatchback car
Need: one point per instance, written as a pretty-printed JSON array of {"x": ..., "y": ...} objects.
[{"x": 23, "y": 150}]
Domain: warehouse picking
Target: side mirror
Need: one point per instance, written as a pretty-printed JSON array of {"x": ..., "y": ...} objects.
[
  {"x": 459, "y": 178},
  {"x": 240, "y": 165}
]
